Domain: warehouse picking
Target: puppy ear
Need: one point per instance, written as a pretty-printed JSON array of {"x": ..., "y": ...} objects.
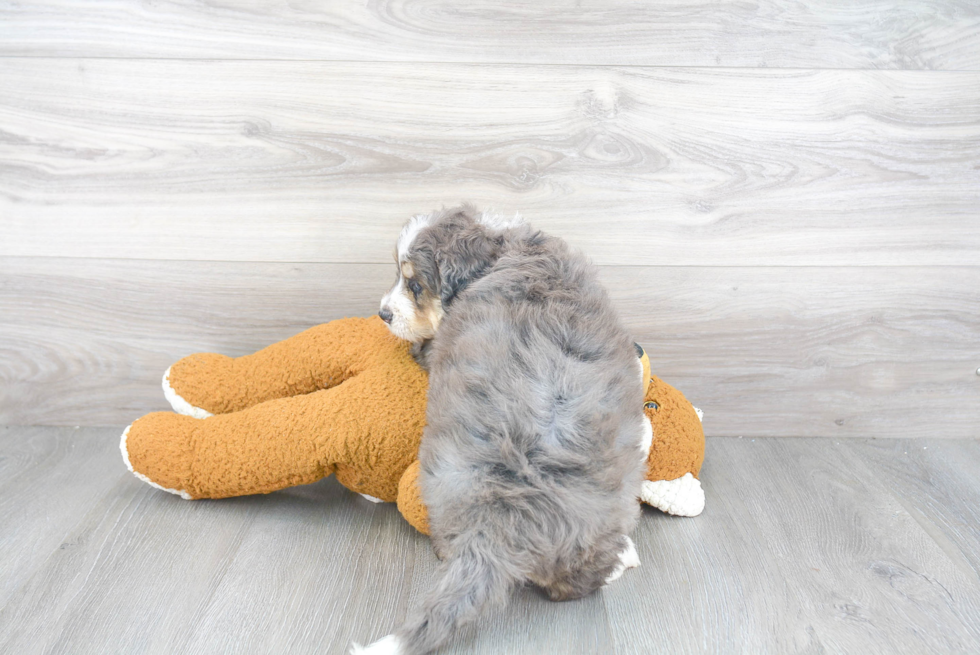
[{"x": 466, "y": 254}]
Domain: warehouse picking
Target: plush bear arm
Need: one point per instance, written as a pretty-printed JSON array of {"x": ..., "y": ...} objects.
[{"x": 319, "y": 358}]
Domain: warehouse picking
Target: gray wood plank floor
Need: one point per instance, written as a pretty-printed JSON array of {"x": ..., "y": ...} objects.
[{"x": 805, "y": 546}]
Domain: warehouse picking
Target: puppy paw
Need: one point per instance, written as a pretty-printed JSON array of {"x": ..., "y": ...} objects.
[
  {"x": 389, "y": 645},
  {"x": 628, "y": 559}
]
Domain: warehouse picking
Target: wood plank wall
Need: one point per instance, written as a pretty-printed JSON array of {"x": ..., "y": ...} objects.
[{"x": 784, "y": 197}]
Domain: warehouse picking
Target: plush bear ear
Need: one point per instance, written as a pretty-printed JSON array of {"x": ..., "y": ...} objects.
[{"x": 645, "y": 365}]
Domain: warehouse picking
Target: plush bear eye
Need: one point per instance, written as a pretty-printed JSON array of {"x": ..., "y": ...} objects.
[{"x": 415, "y": 287}]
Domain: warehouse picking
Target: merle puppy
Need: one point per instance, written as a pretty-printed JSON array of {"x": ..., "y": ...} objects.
[{"x": 533, "y": 453}]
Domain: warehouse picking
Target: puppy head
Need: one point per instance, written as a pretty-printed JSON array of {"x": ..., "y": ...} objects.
[
  {"x": 437, "y": 255},
  {"x": 412, "y": 308}
]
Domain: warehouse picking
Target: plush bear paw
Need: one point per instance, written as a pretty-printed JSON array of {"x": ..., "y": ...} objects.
[
  {"x": 628, "y": 559},
  {"x": 681, "y": 497},
  {"x": 180, "y": 405},
  {"x": 125, "y": 454}
]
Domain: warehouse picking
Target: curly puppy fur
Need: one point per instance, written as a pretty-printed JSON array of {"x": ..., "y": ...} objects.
[{"x": 532, "y": 458}]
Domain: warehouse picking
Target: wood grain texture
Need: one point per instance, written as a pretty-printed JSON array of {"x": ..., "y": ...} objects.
[
  {"x": 859, "y": 34},
  {"x": 800, "y": 549},
  {"x": 934, "y": 480},
  {"x": 48, "y": 480},
  {"x": 322, "y": 162},
  {"x": 150, "y": 573},
  {"x": 804, "y": 546},
  {"x": 764, "y": 352}
]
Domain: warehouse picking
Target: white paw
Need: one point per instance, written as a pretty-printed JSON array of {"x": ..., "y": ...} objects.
[
  {"x": 387, "y": 646},
  {"x": 681, "y": 497},
  {"x": 180, "y": 405},
  {"x": 628, "y": 559},
  {"x": 372, "y": 498}
]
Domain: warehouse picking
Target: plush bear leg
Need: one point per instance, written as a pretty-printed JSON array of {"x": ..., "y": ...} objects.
[
  {"x": 319, "y": 358},
  {"x": 226, "y": 455},
  {"x": 368, "y": 444}
]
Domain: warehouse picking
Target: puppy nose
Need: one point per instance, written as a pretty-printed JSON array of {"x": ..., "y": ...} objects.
[{"x": 386, "y": 315}]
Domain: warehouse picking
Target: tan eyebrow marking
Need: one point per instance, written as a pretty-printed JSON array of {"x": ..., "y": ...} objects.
[{"x": 407, "y": 269}]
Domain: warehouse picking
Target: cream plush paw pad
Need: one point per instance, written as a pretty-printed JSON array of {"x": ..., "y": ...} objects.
[
  {"x": 681, "y": 497},
  {"x": 628, "y": 559},
  {"x": 129, "y": 465},
  {"x": 180, "y": 405}
]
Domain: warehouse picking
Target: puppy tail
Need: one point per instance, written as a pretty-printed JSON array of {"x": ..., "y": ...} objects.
[{"x": 473, "y": 576}]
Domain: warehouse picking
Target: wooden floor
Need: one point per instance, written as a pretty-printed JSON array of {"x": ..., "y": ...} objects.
[{"x": 805, "y": 546}]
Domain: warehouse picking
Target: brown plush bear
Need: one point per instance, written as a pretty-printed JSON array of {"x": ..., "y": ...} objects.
[{"x": 346, "y": 398}]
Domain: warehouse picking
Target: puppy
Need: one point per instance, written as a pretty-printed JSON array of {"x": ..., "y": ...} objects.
[{"x": 532, "y": 456}]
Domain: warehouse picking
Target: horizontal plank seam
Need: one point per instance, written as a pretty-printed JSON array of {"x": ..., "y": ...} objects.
[
  {"x": 387, "y": 262},
  {"x": 496, "y": 63}
]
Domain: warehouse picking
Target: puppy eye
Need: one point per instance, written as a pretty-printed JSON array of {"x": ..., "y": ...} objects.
[{"x": 415, "y": 287}]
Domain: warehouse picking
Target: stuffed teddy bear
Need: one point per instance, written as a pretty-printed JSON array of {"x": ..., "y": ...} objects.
[{"x": 346, "y": 398}]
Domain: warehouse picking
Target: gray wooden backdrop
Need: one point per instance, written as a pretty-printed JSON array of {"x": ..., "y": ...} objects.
[{"x": 784, "y": 197}]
